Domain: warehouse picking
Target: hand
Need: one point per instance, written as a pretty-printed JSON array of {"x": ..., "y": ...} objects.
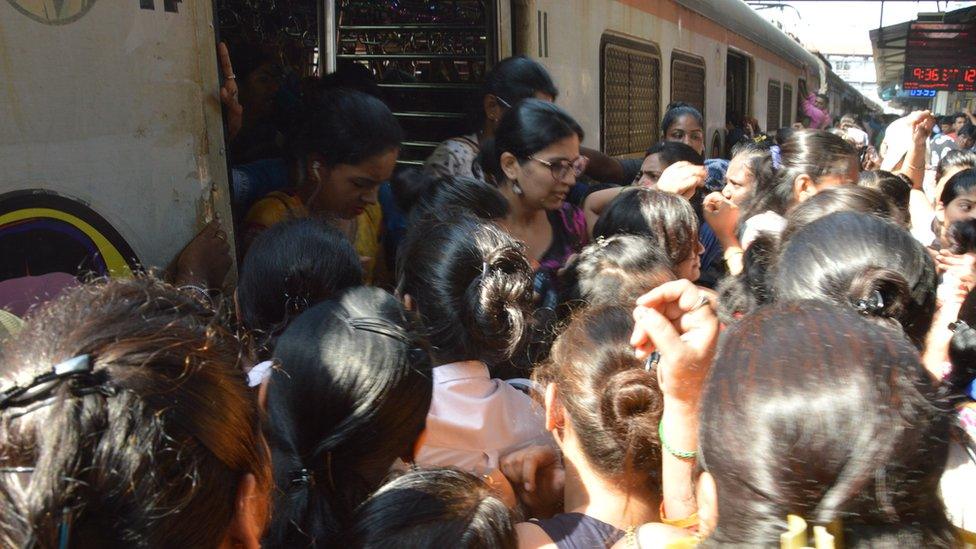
[
  {"x": 961, "y": 264},
  {"x": 871, "y": 160},
  {"x": 538, "y": 477},
  {"x": 722, "y": 216},
  {"x": 921, "y": 123},
  {"x": 682, "y": 178},
  {"x": 676, "y": 320},
  {"x": 234, "y": 111},
  {"x": 206, "y": 260}
]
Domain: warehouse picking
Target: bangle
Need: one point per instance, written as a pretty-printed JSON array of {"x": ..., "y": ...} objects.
[{"x": 664, "y": 444}]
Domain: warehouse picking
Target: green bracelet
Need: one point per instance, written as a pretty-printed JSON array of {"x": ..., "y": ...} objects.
[{"x": 664, "y": 444}]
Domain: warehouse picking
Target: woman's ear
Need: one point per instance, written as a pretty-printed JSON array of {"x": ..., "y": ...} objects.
[
  {"x": 510, "y": 165},
  {"x": 250, "y": 515},
  {"x": 555, "y": 418},
  {"x": 707, "y": 496},
  {"x": 493, "y": 110},
  {"x": 804, "y": 187}
]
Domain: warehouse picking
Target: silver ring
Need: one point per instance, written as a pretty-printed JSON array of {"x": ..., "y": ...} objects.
[{"x": 231, "y": 77}]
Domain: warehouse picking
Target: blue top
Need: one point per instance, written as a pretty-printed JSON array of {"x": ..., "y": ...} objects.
[{"x": 579, "y": 531}]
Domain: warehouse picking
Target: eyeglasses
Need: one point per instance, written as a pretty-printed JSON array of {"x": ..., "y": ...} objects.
[{"x": 562, "y": 168}]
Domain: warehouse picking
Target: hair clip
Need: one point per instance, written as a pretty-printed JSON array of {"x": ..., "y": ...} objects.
[
  {"x": 958, "y": 325},
  {"x": 484, "y": 268},
  {"x": 39, "y": 388},
  {"x": 650, "y": 365},
  {"x": 260, "y": 372},
  {"x": 873, "y": 304},
  {"x": 379, "y": 326},
  {"x": 777, "y": 157}
]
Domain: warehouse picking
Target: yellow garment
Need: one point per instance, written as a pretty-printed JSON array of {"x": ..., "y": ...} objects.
[
  {"x": 275, "y": 207},
  {"x": 279, "y": 206}
]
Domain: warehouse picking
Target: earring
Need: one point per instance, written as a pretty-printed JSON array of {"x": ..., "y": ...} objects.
[{"x": 516, "y": 189}]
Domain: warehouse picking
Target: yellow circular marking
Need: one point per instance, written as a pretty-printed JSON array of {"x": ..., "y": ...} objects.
[{"x": 117, "y": 266}]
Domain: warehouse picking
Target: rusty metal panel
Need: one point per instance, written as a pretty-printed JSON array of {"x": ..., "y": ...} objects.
[
  {"x": 772, "y": 106},
  {"x": 688, "y": 80},
  {"x": 787, "y": 107},
  {"x": 111, "y": 136},
  {"x": 630, "y": 96}
]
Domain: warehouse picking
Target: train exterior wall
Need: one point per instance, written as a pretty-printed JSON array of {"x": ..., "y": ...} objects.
[
  {"x": 568, "y": 44},
  {"x": 113, "y": 106}
]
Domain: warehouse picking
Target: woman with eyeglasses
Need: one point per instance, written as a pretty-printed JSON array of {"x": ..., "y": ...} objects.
[
  {"x": 509, "y": 82},
  {"x": 534, "y": 160}
]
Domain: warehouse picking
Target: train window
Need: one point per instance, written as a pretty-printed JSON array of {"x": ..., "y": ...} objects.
[
  {"x": 772, "y": 106},
  {"x": 688, "y": 80},
  {"x": 801, "y": 90},
  {"x": 429, "y": 61},
  {"x": 630, "y": 90},
  {"x": 787, "y": 105}
]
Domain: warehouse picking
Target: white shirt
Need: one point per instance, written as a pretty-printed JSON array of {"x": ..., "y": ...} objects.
[{"x": 475, "y": 420}]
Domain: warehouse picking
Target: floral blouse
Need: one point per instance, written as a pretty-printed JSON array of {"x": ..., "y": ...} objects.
[{"x": 456, "y": 157}]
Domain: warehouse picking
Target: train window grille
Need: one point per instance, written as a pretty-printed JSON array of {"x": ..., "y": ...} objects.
[
  {"x": 787, "y": 107},
  {"x": 629, "y": 95},
  {"x": 429, "y": 57},
  {"x": 688, "y": 80},
  {"x": 772, "y": 106}
]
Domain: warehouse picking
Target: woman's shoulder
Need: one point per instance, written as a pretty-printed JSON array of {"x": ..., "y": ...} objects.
[
  {"x": 454, "y": 157},
  {"x": 273, "y": 208}
]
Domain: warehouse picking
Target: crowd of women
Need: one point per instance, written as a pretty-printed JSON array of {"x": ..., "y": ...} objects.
[{"x": 525, "y": 344}]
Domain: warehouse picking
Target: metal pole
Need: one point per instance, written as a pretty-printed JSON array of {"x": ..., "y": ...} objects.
[{"x": 327, "y": 37}]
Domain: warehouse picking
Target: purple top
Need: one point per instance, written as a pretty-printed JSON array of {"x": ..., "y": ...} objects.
[{"x": 568, "y": 237}]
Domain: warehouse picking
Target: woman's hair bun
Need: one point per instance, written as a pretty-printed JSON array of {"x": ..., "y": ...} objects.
[
  {"x": 630, "y": 407},
  {"x": 499, "y": 300}
]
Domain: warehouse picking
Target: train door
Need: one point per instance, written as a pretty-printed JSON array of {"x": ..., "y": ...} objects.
[
  {"x": 429, "y": 59},
  {"x": 737, "y": 81},
  {"x": 110, "y": 132}
]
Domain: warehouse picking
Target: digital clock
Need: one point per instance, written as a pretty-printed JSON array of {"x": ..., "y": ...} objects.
[{"x": 940, "y": 78}]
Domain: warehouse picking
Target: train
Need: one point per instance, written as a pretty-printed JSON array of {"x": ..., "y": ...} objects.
[
  {"x": 618, "y": 63},
  {"x": 113, "y": 151}
]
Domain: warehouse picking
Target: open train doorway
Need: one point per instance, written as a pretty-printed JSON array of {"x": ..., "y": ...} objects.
[{"x": 736, "y": 87}]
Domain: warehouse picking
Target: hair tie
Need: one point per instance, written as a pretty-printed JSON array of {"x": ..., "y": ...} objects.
[
  {"x": 774, "y": 152},
  {"x": 873, "y": 304}
]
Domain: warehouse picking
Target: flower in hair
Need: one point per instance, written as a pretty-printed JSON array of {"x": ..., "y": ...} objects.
[{"x": 774, "y": 151}]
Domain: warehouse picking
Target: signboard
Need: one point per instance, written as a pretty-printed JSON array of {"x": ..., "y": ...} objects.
[
  {"x": 922, "y": 93},
  {"x": 940, "y": 56},
  {"x": 111, "y": 136}
]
